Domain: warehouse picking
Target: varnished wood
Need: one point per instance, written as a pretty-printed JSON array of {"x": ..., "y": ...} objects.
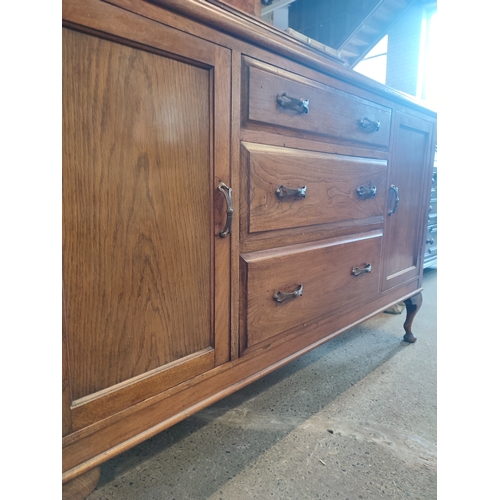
[
  {"x": 332, "y": 112},
  {"x": 325, "y": 272},
  {"x": 83, "y": 485},
  {"x": 97, "y": 17},
  {"x": 410, "y": 172},
  {"x": 238, "y": 194},
  {"x": 128, "y": 253},
  {"x": 248, "y": 6},
  {"x": 67, "y": 424},
  {"x": 221, "y": 172},
  {"x": 159, "y": 207},
  {"x": 129, "y": 58},
  {"x": 331, "y": 181},
  {"x": 413, "y": 304},
  {"x": 255, "y": 134},
  {"x": 121, "y": 396}
]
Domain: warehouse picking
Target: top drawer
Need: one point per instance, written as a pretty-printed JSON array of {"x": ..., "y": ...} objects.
[{"x": 313, "y": 107}]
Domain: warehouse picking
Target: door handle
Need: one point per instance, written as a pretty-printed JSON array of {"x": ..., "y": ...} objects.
[
  {"x": 396, "y": 201},
  {"x": 228, "y": 194}
]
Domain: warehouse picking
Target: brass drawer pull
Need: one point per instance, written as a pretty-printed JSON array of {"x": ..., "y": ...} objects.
[
  {"x": 369, "y": 125},
  {"x": 281, "y": 296},
  {"x": 356, "y": 271},
  {"x": 364, "y": 192},
  {"x": 396, "y": 201},
  {"x": 300, "y": 105},
  {"x": 228, "y": 194},
  {"x": 283, "y": 191}
]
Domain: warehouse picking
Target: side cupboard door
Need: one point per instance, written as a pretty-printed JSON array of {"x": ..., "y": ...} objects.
[
  {"x": 145, "y": 272},
  {"x": 409, "y": 180}
]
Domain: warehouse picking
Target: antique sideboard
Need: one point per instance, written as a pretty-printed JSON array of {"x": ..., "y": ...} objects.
[{"x": 232, "y": 198}]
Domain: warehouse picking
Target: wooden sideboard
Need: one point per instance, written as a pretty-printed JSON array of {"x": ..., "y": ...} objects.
[{"x": 232, "y": 198}]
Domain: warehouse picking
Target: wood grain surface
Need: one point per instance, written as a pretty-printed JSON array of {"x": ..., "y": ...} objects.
[
  {"x": 331, "y": 181},
  {"x": 324, "y": 270},
  {"x": 137, "y": 212},
  {"x": 332, "y": 112},
  {"x": 410, "y": 171}
]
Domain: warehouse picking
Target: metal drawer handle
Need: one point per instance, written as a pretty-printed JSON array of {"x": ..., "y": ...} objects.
[
  {"x": 283, "y": 191},
  {"x": 430, "y": 241},
  {"x": 300, "y": 105},
  {"x": 281, "y": 296},
  {"x": 364, "y": 192},
  {"x": 396, "y": 201},
  {"x": 356, "y": 271},
  {"x": 228, "y": 194},
  {"x": 369, "y": 125}
]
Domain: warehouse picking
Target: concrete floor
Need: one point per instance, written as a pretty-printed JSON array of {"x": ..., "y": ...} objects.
[{"x": 353, "y": 419}]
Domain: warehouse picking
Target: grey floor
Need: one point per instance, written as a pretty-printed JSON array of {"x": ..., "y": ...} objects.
[{"x": 353, "y": 419}]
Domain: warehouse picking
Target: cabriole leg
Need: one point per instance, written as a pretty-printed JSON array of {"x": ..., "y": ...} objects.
[{"x": 412, "y": 306}]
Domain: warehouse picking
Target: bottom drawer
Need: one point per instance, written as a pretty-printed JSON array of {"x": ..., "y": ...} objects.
[{"x": 285, "y": 288}]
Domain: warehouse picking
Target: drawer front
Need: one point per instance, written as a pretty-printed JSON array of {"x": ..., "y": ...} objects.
[
  {"x": 320, "y": 279},
  {"x": 433, "y": 209},
  {"x": 431, "y": 238},
  {"x": 430, "y": 255},
  {"x": 292, "y": 188},
  {"x": 330, "y": 112}
]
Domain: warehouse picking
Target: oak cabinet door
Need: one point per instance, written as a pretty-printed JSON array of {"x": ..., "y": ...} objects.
[
  {"x": 145, "y": 273},
  {"x": 407, "y": 206}
]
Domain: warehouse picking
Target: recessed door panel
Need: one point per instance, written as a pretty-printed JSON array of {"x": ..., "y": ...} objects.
[
  {"x": 139, "y": 237},
  {"x": 407, "y": 205}
]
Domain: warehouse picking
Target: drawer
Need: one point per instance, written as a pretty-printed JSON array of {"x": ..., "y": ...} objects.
[
  {"x": 433, "y": 208},
  {"x": 287, "y": 288},
  {"x": 431, "y": 238},
  {"x": 430, "y": 256},
  {"x": 330, "y": 112},
  {"x": 290, "y": 188}
]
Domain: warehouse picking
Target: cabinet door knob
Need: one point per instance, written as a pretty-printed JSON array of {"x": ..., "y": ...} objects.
[
  {"x": 356, "y": 271},
  {"x": 283, "y": 191},
  {"x": 295, "y": 103},
  {"x": 396, "y": 200},
  {"x": 369, "y": 125},
  {"x": 228, "y": 194},
  {"x": 281, "y": 296}
]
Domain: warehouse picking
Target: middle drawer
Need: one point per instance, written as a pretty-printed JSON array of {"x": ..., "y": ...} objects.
[{"x": 290, "y": 188}]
